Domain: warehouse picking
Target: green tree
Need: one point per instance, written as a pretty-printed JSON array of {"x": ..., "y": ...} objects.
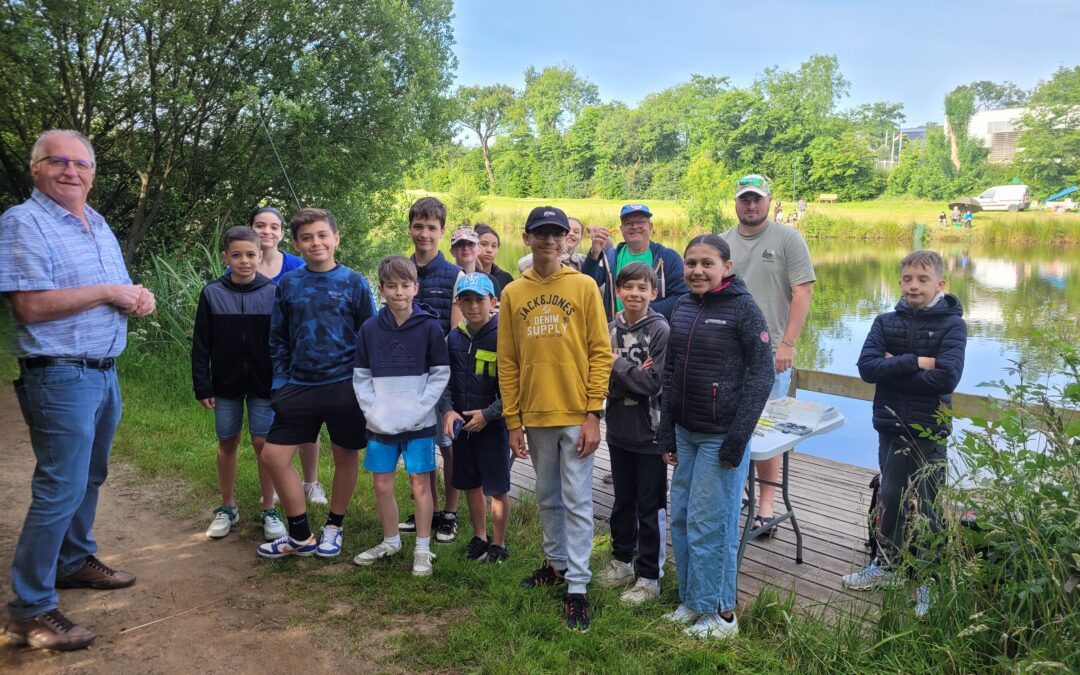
[
  {"x": 181, "y": 102},
  {"x": 1050, "y": 159},
  {"x": 485, "y": 111},
  {"x": 843, "y": 165},
  {"x": 959, "y": 107}
]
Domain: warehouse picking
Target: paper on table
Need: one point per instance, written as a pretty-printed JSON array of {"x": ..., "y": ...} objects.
[{"x": 795, "y": 411}]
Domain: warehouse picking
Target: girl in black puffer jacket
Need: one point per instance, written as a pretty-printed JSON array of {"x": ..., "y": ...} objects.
[{"x": 717, "y": 379}]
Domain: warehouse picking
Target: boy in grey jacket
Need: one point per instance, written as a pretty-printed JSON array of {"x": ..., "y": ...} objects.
[{"x": 639, "y": 337}]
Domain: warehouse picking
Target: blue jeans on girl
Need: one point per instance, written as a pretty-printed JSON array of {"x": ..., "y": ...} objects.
[{"x": 705, "y": 503}]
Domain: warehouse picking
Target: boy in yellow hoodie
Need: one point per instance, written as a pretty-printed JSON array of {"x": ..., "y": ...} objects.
[{"x": 554, "y": 362}]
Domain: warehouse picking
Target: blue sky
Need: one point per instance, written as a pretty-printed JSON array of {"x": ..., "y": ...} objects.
[{"x": 908, "y": 52}]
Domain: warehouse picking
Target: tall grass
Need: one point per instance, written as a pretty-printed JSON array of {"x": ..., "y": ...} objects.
[{"x": 176, "y": 282}]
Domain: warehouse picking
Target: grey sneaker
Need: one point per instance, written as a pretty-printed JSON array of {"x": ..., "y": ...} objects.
[
  {"x": 380, "y": 551},
  {"x": 644, "y": 590},
  {"x": 224, "y": 518},
  {"x": 422, "y": 563},
  {"x": 315, "y": 493},
  {"x": 871, "y": 577},
  {"x": 924, "y": 600},
  {"x": 616, "y": 574}
]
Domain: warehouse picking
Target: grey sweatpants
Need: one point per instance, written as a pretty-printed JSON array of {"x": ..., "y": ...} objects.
[{"x": 564, "y": 499}]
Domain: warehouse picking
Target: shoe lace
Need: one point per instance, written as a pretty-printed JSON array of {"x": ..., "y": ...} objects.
[
  {"x": 93, "y": 562},
  {"x": 223, "y": 511},
  {"x": 61, "y": 623},
  {"x": 544, "y": 573},
  {"x": 576, "y": 608},
  {"x": 329, "y": 533}
]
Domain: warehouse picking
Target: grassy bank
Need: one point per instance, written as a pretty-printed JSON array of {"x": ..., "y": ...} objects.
[
  {"x": 876, "y": 219},
  {"x": 1010, "y": 608}
]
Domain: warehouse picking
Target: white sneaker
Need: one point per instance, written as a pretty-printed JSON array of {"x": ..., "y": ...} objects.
[
  {"x": 224, "y": 519},
  {"x": 315, "y": 493},
  {"x": 714, "y": 626},
  {"x": 422, "y": 563},
  {"x": 682, "y": 614},
  {"x": 273, "y": 527},
  {"x": 329, "y": 542},
  {"x": 277, "y": 500},
  {"x": 643, "y": 591},
  {"x": 380, "y": 551},
  {"x": 616, "y": 574}
]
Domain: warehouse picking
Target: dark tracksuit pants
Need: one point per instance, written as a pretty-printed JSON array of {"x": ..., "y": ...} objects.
[
  {"x": 904, "y": 466},
  {"x": 640, "y": 481}
]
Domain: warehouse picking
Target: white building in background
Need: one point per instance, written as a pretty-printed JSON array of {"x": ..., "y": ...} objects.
[{"x": 998, "y": 130}]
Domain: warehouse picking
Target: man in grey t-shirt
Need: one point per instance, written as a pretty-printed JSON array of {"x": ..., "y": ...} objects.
[{"x": 774, "y": 261}]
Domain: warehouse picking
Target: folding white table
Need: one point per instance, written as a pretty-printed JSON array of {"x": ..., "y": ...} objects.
[{"x": 771, "y": 443}]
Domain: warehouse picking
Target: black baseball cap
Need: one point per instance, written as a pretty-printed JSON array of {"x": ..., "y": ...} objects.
[{"x": 547, "y": 215}]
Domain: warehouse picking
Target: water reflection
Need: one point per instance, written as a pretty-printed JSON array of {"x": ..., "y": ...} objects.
[{"x": 1018, "y": 303}]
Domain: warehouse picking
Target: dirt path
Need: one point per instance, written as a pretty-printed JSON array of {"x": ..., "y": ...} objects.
[{"x": 245, "y": 630}]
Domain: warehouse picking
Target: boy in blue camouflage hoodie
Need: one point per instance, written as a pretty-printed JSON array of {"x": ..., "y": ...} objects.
[{"x": 317, "y": 312}]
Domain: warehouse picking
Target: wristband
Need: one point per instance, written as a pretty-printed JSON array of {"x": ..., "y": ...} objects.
[{"x": 785, "y": 342}]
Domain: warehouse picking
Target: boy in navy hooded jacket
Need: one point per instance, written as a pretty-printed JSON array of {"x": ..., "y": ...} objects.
[{"x": 401, "y": 369}]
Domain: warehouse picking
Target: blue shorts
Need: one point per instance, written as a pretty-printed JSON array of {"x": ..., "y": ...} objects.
[
  {"x": 229, "y": 416},
  {"x": 419, "y": 455}
]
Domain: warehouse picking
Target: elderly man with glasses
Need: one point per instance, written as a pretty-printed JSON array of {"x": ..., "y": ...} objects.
[
  {"x": 603, "y": 264},
  {"x": 65, "y": 279}
]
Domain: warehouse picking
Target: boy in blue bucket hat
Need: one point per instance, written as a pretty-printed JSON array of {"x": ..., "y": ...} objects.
[{"x": 471, "y": 410}]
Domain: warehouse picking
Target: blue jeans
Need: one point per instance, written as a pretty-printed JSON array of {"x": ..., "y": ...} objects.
[
  {"x": 72, "y": 413},
  {"x": 705, "y": 503},
  {"x": 229, "y": 416}
]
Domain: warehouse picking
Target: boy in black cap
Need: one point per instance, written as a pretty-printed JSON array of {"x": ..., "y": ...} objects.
[{"x": 554, "y": 361}]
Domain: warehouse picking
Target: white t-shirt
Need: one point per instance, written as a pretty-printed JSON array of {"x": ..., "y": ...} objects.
[{"x": 770, "y": 263}]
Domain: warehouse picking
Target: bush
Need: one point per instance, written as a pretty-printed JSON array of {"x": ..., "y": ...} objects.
[{"x": 1008, "y": 585}]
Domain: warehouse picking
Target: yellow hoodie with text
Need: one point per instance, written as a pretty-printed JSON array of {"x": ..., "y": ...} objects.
[{"x": 554, "y": 349}]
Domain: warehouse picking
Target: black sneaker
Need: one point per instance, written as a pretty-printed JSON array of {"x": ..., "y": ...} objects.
[
  {"x": 497, "y": 554},
  {"x": 577, "y": 612},
  {"x": 408, "y": 526},
  {"x": 446, "y": 529},
  {"x": 477, "y": 549},
  {"x": 545, "y": 576}
]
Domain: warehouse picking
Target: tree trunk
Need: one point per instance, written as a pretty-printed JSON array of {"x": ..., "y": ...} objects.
[
  {"x": 487, "y": 164},
  {"x": 954, "y": 148}
]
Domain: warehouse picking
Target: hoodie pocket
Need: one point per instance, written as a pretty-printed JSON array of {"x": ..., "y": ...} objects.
[{"x": 552, "y": 387}]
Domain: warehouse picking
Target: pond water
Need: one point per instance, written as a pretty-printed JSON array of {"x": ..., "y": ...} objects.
[{"x": 1011, "y": 295}]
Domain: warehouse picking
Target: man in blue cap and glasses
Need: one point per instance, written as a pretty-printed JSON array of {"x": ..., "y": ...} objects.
[{"x": 603, "y": 264}]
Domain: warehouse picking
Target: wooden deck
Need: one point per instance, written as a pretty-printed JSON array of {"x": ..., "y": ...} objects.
[{"x": 830, "y": 501}]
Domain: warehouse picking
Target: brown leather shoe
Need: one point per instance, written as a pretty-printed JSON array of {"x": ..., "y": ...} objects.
[
  {"x": 49, "y": 630},
  {"x": 97, "y": 575}
]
